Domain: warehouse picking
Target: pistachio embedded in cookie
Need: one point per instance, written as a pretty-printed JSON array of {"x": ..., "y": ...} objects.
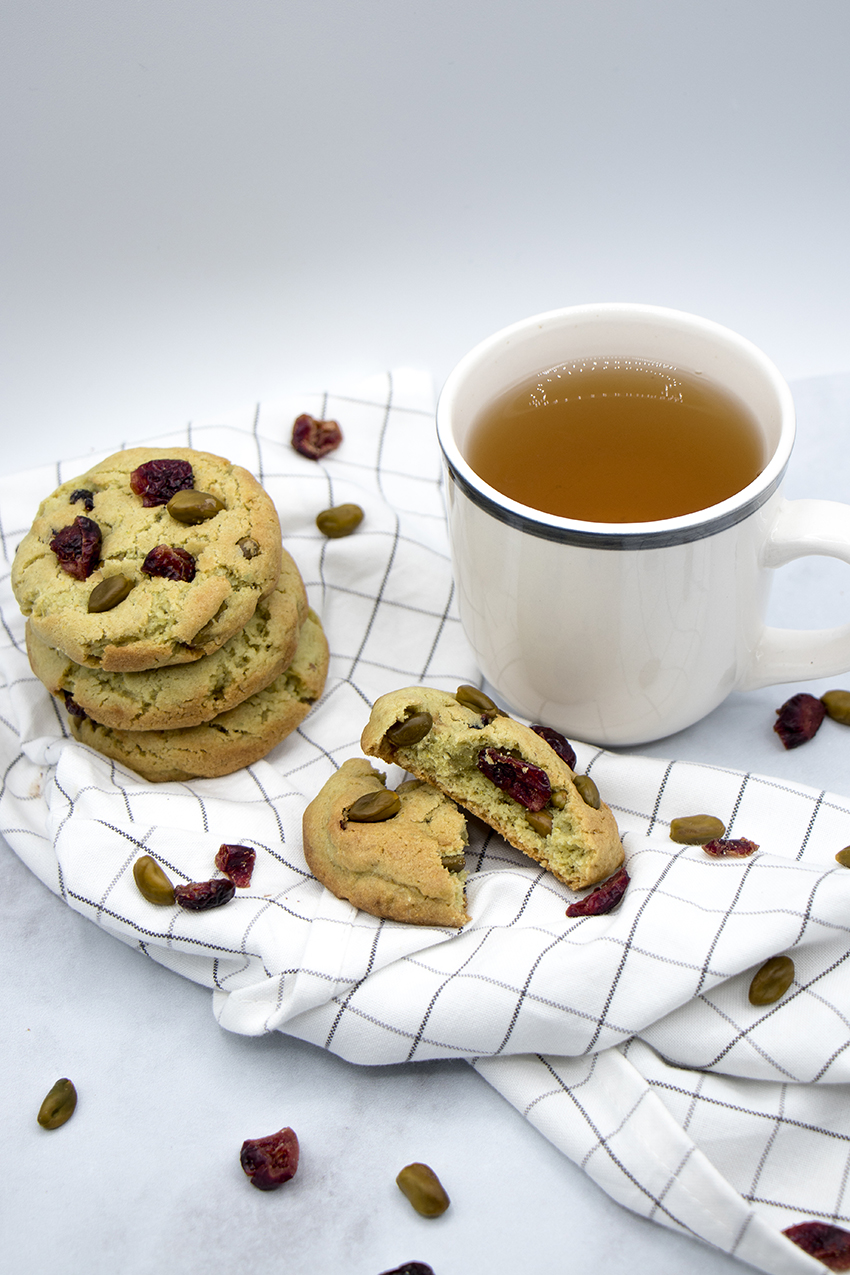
[
  {"x": 503, "y": 772},
  {"x": 405, "y": 865}
]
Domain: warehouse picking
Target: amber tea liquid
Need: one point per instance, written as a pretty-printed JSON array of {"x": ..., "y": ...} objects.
[{"x": 617, "y": 440}]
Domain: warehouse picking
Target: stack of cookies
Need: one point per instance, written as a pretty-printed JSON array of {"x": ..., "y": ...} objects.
[{"x": 165, "y": 613}]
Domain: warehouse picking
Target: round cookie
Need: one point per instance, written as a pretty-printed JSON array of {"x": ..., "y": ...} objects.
[
  {"x": 230, "y": 741},
  {"x": 162, "y": 620},
  {"x": 394, "y": 868},
  {"x": 583, "y": 845},
  {"x": 182, "y": 695}
]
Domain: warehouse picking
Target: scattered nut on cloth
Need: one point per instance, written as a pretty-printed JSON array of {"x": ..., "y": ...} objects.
[{"x": 628, "y": 1039}]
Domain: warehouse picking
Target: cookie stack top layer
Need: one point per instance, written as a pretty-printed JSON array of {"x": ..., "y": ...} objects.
[{"x": 162, "y": 621}]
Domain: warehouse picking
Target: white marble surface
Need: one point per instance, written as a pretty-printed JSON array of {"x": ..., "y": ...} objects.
[{"x": 208, "y": 204}]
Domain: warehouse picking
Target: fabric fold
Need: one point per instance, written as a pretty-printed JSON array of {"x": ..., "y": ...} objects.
[{"x": 602, "y": 1113}]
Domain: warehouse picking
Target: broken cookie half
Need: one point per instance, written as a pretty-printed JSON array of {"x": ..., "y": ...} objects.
[
  {"x": 503, "y": 772},
  {"x": 397, "y": 855}
]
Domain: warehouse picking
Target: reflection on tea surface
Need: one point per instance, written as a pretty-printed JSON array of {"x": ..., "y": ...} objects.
[{"x": 616, "y": 440}]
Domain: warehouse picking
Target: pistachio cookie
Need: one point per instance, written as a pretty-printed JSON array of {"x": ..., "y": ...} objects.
[
  {"x": 230, "y": 741},
  {"x": 156, "y": 556},
  {"x": 181, "y": 695},
  {"x": 503, "y": 772},
  {"x": 402, "y": 860}
]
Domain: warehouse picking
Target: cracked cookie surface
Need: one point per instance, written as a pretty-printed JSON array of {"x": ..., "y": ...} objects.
[
  {"x": 392, "y": 869},
  {"x": 181, "y": 695},
  {"x": 231, "y": 740},
  {"x": 161, "y": 621}
]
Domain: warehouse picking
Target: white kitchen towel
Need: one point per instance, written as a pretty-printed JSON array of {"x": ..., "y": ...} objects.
[{"x": 628, "y": 1039}]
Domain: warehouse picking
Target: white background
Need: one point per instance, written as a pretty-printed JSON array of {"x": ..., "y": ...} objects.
[{"x": 209, "y": 203}]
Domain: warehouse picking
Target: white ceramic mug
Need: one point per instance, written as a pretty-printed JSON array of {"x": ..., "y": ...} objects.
[{"x": 620, "y": 633}]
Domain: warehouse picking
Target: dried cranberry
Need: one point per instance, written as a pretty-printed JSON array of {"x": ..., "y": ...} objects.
[
  {"x": 236, "y": 862},
  {"x": 86, "y": 496},
  {"x": 314, "y": 438},
  {"x": 799, "y": 719},
  {"x": 556, "y": 740},
  {"x": 200, "y": 896},
  {"x": 527, "y": 784},
  {"x": 411, "y": 1268},
  {"x": 271, "y": 1161},
  {"x": 157, "y": 480},
  {"x": 604, "y": 898},
  {"x": 828, "y": 1243},
  {"x": 170, "y": 562},
  {"x": 77, "y": 547},
  {"x": 72, "y": 705},
  {"x": 730, "y": 848}
]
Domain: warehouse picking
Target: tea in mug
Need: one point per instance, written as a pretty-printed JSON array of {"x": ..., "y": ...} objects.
[{"x": 617, "y": 440}]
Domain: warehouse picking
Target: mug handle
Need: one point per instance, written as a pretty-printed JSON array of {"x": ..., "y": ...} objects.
[{"x": 802, "y": 528}]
